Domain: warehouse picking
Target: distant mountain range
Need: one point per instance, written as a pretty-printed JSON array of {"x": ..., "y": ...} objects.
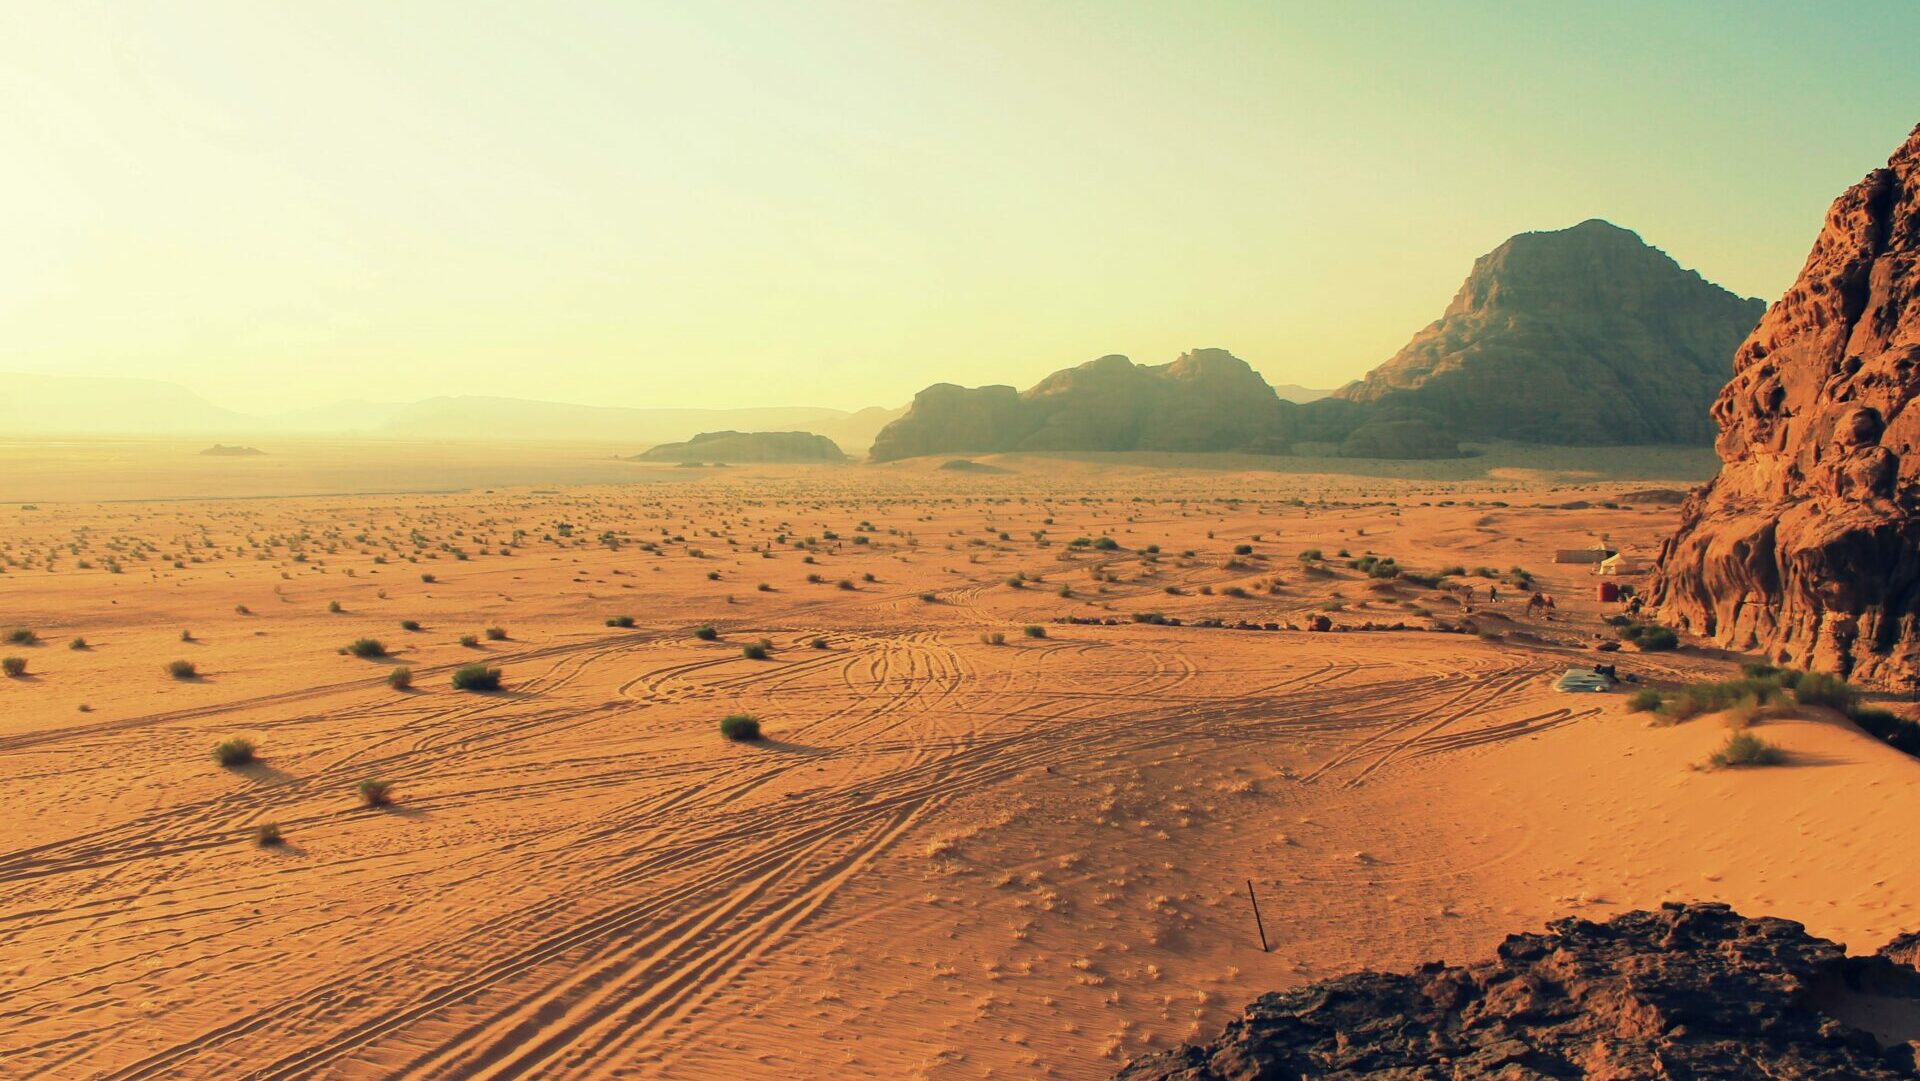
[
  {"x": 49, "y": 405},
  {"x": 1583, "y": 336}
]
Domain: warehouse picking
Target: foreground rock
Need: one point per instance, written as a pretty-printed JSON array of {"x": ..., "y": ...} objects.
[
  {"x": 1807, "y": 543},
  {"x": 1585, "y": 335},
  {"x": 746, "y": 448},
  {"x": 1690, "y": 991}
]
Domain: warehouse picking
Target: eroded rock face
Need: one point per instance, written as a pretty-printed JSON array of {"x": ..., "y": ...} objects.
[
  {"x": 1691, "y": 991},
  {"x": 1807, "y": 543}
]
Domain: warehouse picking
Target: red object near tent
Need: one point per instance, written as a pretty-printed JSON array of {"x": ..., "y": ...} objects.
[{"x": 1609, "y": 592}]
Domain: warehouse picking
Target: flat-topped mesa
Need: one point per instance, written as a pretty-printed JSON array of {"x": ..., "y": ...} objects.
[
  {"x": 1806, "y": 545},
  {"x": 747, "y": 447},
  {"x": 1583, "y": 335}
]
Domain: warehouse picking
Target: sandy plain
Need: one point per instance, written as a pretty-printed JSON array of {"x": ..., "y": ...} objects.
[{"x": 949, "y": 859}]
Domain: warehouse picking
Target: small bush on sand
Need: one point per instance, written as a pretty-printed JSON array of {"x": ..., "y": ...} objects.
[
  {"x": 233, "y": 752},
  {"x": 14, "y": 667},
  {"x": 367, "y": 647},
  {"x": 375, "y": 792},
  {"x": 471, "y": 641},
  {"x": 1650, "y": 637},
  {"x": 409, "y": 624},
  {"x": 620, "y": 621},
  {"x": 705, "y": 634},
  {"x": 740, "y": 727},
  {"x": 77, "y": 643},
  {"x": 819, "y": 643},
  {"x": 334, "y": 607},
  {"x": 994, "y": 638},
  {"x": 1822, "y": 689},
  {"x": 496, "y": 634},
  {"x": 1034, "y": 630},
  {"x": 476, "y": 677},
  {"x": 400, "y": 679},
  {"x": 1642, "y": 701},
  {"x": 929, "y": 597},
  {"x": 1747, "y": 749},
  {"x": 21, "y": 636},
  {"x": 182, "y": 669},
  {"x": 267, "y": 835},
  {"x": 428, "y": 578},
  {"x": 757, "y": 651}
]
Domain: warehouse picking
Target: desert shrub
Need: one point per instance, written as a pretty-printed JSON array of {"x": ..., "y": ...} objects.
[
  {"x": 1034, "y": 630},
  {"x": 1823, "y": 689},
  {"x": 367, "y": 647},
  {"x": 409, "y": 624},
  {"x": 1642, "y": 701},
  {"x": 705, "y": 634},
  {"x": 267, "y": 835},
  {"x": 1743, "y": 714},
  {"x": 844, "y": 583},
  {"x": 182, "y": 669},
  {"x": 620, "y": 621},
  {"x": 186, "y": 636},
  {"x": 1243, "y": 549},
  {"x": 994, "y": 638},
  {"x": 818, "y": 643},
  {"x": 1747, "y": 749},
  {"x": 471, "y": 641},
  {"x": 1311, "y": 555},
  {"x": 1650, "y": 637},
  {"x": 476, "y": 677},
  {"x": 400, "y": 679},
  {"x": 77, "y": 643},
  {"x": 1899, "y": 733},
  {"x": 375, "y": 792},
  {"x": 428, "y": 578},
  {"x": 756, "y": 651},
  {"x": 1427, "y": 581},
  {"x": 1016, "y": 582},
  {"x": 1106, "y": 544},
  {"x": 496, "y": 634},
  {"x": 22, "y": 636},
  {"x": 1155, "y": 618},
  {"x": 234, "y": 751},
  {"x": 334, "y": 607},
  {"x": 740, "y": 727},
  {"x": 14, "y": 667}
]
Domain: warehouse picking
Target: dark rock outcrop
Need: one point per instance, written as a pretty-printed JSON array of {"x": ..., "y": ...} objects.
[
  {"x": 1207, "y": 400},
  {"x": 746, "y": 448},
  {"x": 1584, "y": 335},
  {"x": 1691, "y": 991},
  {"x": 1807, "y": 543}
]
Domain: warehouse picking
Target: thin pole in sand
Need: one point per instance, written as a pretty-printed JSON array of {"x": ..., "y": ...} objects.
[{"x": 1256, "y": 916}]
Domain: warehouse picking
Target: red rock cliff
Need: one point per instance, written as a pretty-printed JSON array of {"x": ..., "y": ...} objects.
[{"x": 1807, "y": 543}]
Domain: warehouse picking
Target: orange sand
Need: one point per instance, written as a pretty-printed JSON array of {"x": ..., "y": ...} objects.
[{"x": 950, "y": 858}]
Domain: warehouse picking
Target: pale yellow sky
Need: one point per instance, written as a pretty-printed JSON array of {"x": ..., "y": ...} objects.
[{"x": 834, "y": 203}]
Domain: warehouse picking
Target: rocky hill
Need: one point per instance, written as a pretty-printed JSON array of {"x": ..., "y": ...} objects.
[
  {"x": 1584, "y": 335},
  {"x": 1206, "y": 400},
  {"x": 1807, "y": 543},
  {"x": 747, "y": 447},
  {"x": 1690, "y": 991}
]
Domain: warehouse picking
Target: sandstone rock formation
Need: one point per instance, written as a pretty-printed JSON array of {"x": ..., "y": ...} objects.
[
  {"x": 1584, "y": 336},
  {"x": 1807, "y": 543},
  {"x": 1690, "y": 991},
  {"x": 1206, "y": 400},
  {"x": 747, "y": 447}
]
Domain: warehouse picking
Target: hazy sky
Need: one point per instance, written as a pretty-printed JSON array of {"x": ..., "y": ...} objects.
[{"x": 835, "y": 203}]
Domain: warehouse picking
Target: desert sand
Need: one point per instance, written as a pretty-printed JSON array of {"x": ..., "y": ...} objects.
[{"x": 949, "y": 858}]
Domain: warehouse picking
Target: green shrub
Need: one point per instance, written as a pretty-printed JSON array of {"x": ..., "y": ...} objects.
[
  {"x": 77, "y": 643},
  {"x": 182, "y": 669},
  {"x": 1747, "y": 749},
  {"x": 496, "y": 634},
  {"x": 705, "y": 634},
  {"x": 620, "y": 621},
  {"x": 233, "y": 752},
  {"x": 375, "y": 792},
  {"x": 409, "y": 624},
  {"x": 267, "y": 835},
  {"x": 476, "y": 677},
  {"x": 367, "y": 647},
  {"x": 1642, "y": 701},
  {"x": 1650, "y": 637},
  {"x": 756, "y": 651},
  {"x": 1823, "y": 689},
  {"x": 471, "y": 641},
  {"x": 21, "y": 636},
  {"x": 1311, "y": 555},
  {"x": 740, "y": 727},
  {"x": 1034, "y": 630},
  {"x": 819, "y": 643},
  {"x": 1243, "y": 549},
  {"x": 994, "y": 638},
  {"x": 400, "y": 679}
]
